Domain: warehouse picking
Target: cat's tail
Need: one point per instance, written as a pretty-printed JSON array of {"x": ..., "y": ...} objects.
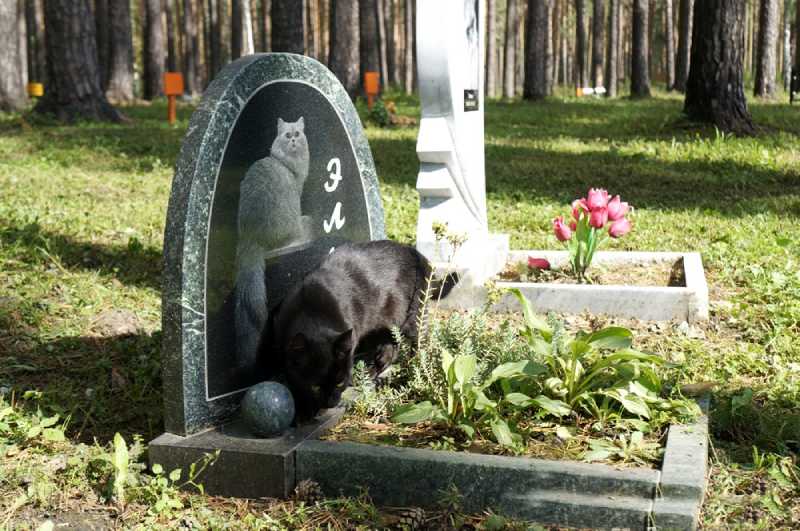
[
  {"x": 250, "y": 315},
  {"x": 441, "y": 287}
]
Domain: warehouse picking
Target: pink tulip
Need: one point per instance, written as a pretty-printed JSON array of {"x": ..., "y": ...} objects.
[
  {"x": 598, "y": 218},
  {"x": 617, "y": 209},
  {"x": 538, "y": 263},
  {"x": 573, "y": 226},
  {"x": 597, "y": 198},
  {"x": 578, "y": 206},
  {"x": 619, "y": 228},
  {"x": 563, "y": 233}
]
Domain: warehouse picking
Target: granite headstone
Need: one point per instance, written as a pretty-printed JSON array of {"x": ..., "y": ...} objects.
[{"x": 273, "y": 174}]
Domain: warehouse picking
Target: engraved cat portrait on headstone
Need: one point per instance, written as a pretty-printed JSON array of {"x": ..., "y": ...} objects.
[{"x": 288, "y": 192}]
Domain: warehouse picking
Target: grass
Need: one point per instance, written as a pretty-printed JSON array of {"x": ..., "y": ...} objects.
[{"x": 82, "y": 213}]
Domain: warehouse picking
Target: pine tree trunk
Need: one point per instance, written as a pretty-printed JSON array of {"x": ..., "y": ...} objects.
[
  {"x": 344, "y": 32},
  {"x": 715, "y": 88},
  {"x": 380, "y": 15},
  {"x": 408, "y": 82},
  {"x": 684, "y": 44},
  {"x": 120, "y": 78},
  {"x": 74, "y": 90},
  {"x": 670, "y": 38},
  {"x": 154, "y": 50},
  {"x": 287, "y": 26},
  {"x": 787, "y": 45},
  {"x": 224, "y": 28},
  {"x": 640, "y": 56},
  {"x": 598, "y": 38},
  {"x": 312, "y": 27},
  {"x": 237, "y": 29},
  {"x": 535, "y": 86},
  {"x": 581, "y": 79},
  {"x": 172, "y": 49},
  {"x": 555, "y": 21},
  {"x": 552, "y": 56},
  {"x": 612, "y": 51},
  {"x": 369, "y": 45},
  {"x": 767, "y": 37},
  {"x": 490, "y": 63},
  {"x": 34, "y": 31},
  {"x": 264, "y": 22},
  {"x": 391, "y": 43},
  {"x": 103, "y": 36},
  {"x": 191, "y": 49},
  {"x": 510, "y": 49},
  {"x": 12, "y": 60},
  {"x": 796, "y": 67}
]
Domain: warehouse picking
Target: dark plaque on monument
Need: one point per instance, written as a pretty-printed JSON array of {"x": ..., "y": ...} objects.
[{"x": 273, "y": 174}]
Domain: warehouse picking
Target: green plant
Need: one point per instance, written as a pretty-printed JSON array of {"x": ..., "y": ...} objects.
[
  {"x": 598, "y": 374},
  {"x": 625, "y": 448},
  {"x": 379, "y": 114}
]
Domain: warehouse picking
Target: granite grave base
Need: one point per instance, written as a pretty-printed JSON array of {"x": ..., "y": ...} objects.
[
  {"x": 247, "y": 466},
  {"x": 563, "y": 493}
]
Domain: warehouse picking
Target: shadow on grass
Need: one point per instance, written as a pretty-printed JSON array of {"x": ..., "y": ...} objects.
[
  {"x": 103, "y": 384},
  {"x": 131, "y": 264},
  {"x": 525, "y": 174}
]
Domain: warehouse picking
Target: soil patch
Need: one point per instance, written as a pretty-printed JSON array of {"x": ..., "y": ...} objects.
[{"x": 657, "y": 274}]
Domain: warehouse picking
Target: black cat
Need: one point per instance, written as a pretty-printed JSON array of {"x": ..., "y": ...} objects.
[{"x": 348, "y": 305}]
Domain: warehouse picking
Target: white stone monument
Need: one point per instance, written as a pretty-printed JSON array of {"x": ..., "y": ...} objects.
[{"x": 451, "y": 180}]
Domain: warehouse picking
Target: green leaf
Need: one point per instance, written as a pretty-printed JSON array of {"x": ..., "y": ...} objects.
[
  {"x": 175, "y": 475},
  {"x": 468, "y": 430},
  {"x": 157, "y": 469},
  {"x": 596, "y": 455},
  {"x": 631, "y": 403},
  {"x": 508, "y": 370},
  {"x": 482, "y": 403},
  {"x": 53, "y": 434},
  {"x": 532, "y": 321},
  {"x": 518, "y": 399},
  {"x": 502, "y": 433},
  {"x": 49, "y": 421},
  {"x": 33, "y": 431},
  {"x": 563, "y": 433},
  {"x": 464, "y": 367},
  {"x": 613, "y": 338},
  {"x": 414, "y": 413},
  {"x": 554, "y": 407},
  {"x": 120, "y": 467}
]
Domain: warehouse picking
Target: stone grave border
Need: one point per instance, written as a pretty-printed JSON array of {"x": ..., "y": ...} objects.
[
  {"x": 564, "y": 493},
  {"x": 688, "y": 303},
  {"x": 188, "y": 217},
  {"x": 567, "y": 493}
]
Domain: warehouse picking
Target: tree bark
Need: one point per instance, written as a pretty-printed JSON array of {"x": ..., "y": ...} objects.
[
  {"x": 344, "y": 58},
  {"x": 74, "y": 90},
  {"x": 120, "y": 67},
  {"x": 549, "y": 60},
  {"x": 34, "y": 31},
  {"x": 490, "y": 63},
  {"x": 796, "y": 67},
  {"x": 287, "y": 26},
  {"x": 612, "y": 51},
  {"x": 598, "y": 38},
  {"x": 555, "y": 43},
  {"x": 266, "y": 26},
  {"x": 381, "y": 18},
  {"x": 391, "y": 42},
  {"x": 172, "y": 49},
  {"x": 535, "y": 85},
  {"x": 787, "y": 45},
  {"x": 237, "y": 29},
  {"x": 581, "y": 78},
  {"x": 103, "y": 36},
  {"x": 767, "y": 37},
  {"x": 12, "y": 61},
  {"x": 715, "y": 88},
  {"x": 509, "y": 64},
  {"x": 369, "y": 43},
  {"x": 684, "y": 44},
  {"x": 408, "y": 82},
  {"x": 640, "y": 70},
  {"x": 153, "y": 50},
  {"x": 669, "y": 36},
  {"x": 191, "y": 49}
]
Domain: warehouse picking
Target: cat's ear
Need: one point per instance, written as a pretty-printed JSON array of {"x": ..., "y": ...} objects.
[
  {"x": 281, "y": 124},
  {"x": 297, "y": 343},
  {"x": 344, "y": 343},
  {"x": 301, "y": 124}
]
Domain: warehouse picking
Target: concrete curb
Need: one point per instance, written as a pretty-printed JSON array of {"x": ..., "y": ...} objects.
[{"x": 689, "y": 303}]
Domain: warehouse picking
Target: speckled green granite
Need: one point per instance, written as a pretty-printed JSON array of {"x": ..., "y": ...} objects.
[{"x": 186, "y": 408}]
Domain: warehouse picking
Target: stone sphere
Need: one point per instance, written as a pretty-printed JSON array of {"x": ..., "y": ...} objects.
[{"x": 268, "y": 409}]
